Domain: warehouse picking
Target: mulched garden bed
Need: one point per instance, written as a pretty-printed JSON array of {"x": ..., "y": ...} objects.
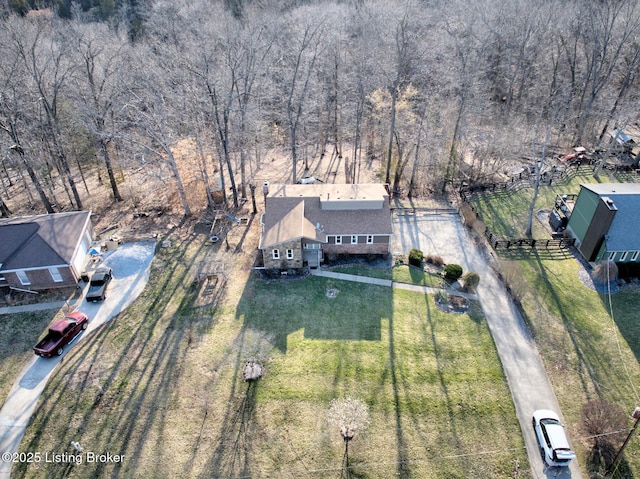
[{"x": 450, "y": 303}]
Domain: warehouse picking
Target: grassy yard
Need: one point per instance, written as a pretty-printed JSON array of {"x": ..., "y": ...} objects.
[
  {"x": 19, "y": 333},
  {"x": 506, "y": 212},
  {"x": 399, "y": 274},
  {"x": 161, "y": 384},
  {"x": 589, "y": 353}
]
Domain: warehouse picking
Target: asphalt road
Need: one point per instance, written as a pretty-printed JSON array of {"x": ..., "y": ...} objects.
[
  {"x": 445, "y": 236},
  {"x": 130, "y": 265}
]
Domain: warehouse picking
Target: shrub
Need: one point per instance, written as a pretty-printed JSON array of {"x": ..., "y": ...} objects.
[
  {"x": 468, "y": 215},
  {"x": 415, "y": 257},
  {"x": 606, "y": 271},
  {"x": 452, "y": 272},
  {"x": 471, "y": 281},
  {"x": 435, "y": 260},
  {"x": 599, "y": 418}
]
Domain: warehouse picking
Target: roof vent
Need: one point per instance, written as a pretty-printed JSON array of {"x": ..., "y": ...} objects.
[{"x": 609, "y": 202}]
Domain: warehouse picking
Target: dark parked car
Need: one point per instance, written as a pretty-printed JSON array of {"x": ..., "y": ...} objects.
[
  {"x": 61, "y": 333},
  {"x": 98, "y": 284}
]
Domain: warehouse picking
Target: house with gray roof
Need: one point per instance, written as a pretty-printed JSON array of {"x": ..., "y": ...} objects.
[
  {"x": 44, "y": 251},
  {"x": 606, "y": 222},
  {"x": 304, "y": 224}
]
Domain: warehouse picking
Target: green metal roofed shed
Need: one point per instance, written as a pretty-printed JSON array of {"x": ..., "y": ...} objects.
[{"x": 606, "y": 222}]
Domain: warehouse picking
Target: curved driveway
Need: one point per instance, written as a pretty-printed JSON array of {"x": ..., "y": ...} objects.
[
  {"x": 130, "y": 265},
  {"x": 445, "y": 236}
]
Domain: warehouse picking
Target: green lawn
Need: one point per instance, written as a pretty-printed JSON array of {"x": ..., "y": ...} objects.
[
  {"x": 19, "y": 333},
  {"x": 161, "y": 385},
  {"x": 399, "y": 274},
  {"x": 506, "y": 212},
  {"x": 588, "y": 352}
]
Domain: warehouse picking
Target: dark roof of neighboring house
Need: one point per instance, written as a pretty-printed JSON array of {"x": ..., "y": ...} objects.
[
  {"x": 40, "y": 241},
  {"x": 296, "y": 211},
  {"x": 623, "y": 233}
]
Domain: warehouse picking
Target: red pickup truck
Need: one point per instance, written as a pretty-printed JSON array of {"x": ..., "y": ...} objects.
[{"x": 61, "y": 333}]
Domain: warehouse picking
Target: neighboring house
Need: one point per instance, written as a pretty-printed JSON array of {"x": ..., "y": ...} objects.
[
  {"x": 44, "y": 251},
  {"x": 302, "y": 224},
  {"x": 605, "y": 222}
]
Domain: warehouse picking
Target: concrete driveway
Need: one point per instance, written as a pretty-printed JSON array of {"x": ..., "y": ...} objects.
[
  {"x": 130, "y": 263},
  {"x": 444, "y": 235}
]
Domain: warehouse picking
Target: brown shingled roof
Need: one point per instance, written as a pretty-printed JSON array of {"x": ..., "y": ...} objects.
[{"x": 295, "y": 211}]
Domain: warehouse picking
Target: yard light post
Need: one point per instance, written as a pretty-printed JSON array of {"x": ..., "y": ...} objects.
[{"x": 636, "y": 415}]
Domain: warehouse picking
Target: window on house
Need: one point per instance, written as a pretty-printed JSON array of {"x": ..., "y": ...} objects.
[
  {"x": 338, "y": 239},
  {"x": 289, "y": 254},
  {"x": 612, "y": 255},
  {"x": 24, "y": 279},
  {"x": 624, "y": 256},
  {"x": 370, "y": 239},
  {"x": 635, "y": 255},
  {"x": 354, "y": 239},
  {"x": 275, "y": 254},
  {"x": 55, "y": 275}
]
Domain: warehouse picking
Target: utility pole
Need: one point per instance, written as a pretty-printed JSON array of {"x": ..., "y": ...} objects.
[{"x": 612, "y": 468}]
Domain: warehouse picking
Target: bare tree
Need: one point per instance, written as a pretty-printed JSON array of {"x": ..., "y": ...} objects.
[
  {"x": 297, "y": 64},
  {"x": 631, "y": 62},
  {"x": 468, "y": 50},
  {"x": 350, "y": 416},
  {"x": 539, "y": 165},
  {"x": 101, "y": 57},
  {"x": 41, "y": 48},
  {"x": 605, "y": 424},
  {"x": 401, "y": 74},
  {"x": 257, "y": 40},
  {"x": 16, "y": 114},
  {"x": 607, "y": 29},
  {"x": 150, "y": 111}
]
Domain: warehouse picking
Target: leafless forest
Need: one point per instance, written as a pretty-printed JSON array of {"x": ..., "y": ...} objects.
[{"x": 195, "y": 92}]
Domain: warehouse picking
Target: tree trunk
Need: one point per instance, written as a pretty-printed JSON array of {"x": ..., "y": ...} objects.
[
  {"x": 104, "y": 147},
  {"x": 392, "y": 132},
  {"x": 453, "y": 153},
  {"x": 414, "y": 168},
  {"x": 4, "y": 209},
  {"x": 176, "y": 175},
  {"x": 32, "y": 174}
]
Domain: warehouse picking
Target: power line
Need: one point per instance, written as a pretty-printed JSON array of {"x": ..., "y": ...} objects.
[{"x": 617, "y": 338}]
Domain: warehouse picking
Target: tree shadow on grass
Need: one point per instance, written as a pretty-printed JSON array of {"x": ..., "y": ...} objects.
[
  {"x": 354, "y": 312},
  {"x": 626, "y": 305},
  {"x": 593, "y": 364},
  {"x": 113, "y": 415},
  {"x": 599, "y": 459},
  {"x": 232, "y": 456}
]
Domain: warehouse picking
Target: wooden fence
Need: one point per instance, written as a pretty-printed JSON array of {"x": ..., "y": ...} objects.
[{"x": 529, "y": 243}]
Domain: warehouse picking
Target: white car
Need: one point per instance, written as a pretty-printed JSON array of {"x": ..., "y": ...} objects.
[{"x": 552, "y": 439}]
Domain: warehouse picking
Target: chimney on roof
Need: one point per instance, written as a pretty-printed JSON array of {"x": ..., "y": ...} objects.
[{"x": 265, "y": 191}]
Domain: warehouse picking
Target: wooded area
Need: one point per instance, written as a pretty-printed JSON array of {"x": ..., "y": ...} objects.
[{"x": 423, "y": 93}]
